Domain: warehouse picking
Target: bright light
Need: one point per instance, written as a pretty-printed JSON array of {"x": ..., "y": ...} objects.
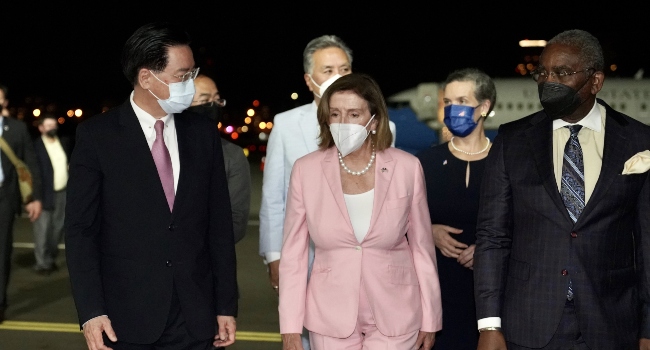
[
  {"x": 70, "y": 113},
  {"x": 248, "y": 120},
  {"x": 250, "y": 112},
  {"x": 269, "y": 125},
  {"x": 229, "y": 129},
  {"x": 532, "y": 43},
  {"x": 61, "y": 120},
  {"x": 263, "y": 136},
  {"x": 36, "y": 113},
  {"x": 246, "y": 152},
  {"x": 244, "y": 128},
  {"x": 294, "y": 96},
  {"x": 262, "y": 125},
  {"x": 234, "y": 135},
  {"x": 256, "y": 103},
  {"x": 78, "y": 113}
]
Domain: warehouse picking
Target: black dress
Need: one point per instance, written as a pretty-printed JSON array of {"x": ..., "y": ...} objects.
[{"x": 453, "y": 203}]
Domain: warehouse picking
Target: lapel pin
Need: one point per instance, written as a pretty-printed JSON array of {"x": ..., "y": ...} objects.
[
  {"x": 6, "y": 127},
  {"x": 383, "y": 170},
  {"x": 445, "y": 162}
]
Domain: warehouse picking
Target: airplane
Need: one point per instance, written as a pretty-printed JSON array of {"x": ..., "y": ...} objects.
[{"x": 518, "y": 97}]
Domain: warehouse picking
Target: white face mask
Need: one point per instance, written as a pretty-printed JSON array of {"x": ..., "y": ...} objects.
[
  {"x": 180, "y": 96},
  {"x": 324, "y": 85},
  {"x": 349, "y": 137}
]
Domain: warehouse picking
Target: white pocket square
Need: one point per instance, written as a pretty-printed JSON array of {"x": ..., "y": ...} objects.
[{"x": 639, "y": 163}]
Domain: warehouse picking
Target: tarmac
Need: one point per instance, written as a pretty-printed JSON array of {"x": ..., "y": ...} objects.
[{"x": 41, "y": 312}]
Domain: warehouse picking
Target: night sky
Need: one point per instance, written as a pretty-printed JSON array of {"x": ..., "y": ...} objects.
[{"x": 70, "y": 56}]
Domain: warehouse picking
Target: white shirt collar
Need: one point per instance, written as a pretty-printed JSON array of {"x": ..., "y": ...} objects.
[
  {"x": 146, "y": 120},
  {"x": 593, "y": 120}
]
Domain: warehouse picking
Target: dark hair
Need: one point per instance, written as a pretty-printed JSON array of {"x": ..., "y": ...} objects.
[
  {"x": 44, "y": 116},
  {"x": 147, "y": 48},
  {"x": 484, "y": 88},
  {"x": 367, "y": 88},
  {"x": 5, "y": 89},
  {"x": 591, "y": 53}
]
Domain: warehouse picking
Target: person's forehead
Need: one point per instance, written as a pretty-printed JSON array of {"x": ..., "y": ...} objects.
[
  {"x": 458, "y": 89},
  {"x": 180, "y": 59},
  {"x": 347, "y": 100},
  {"x": 558, "y": 55},
  {"x": 330, "y": 56},
  {"x": 205, "y": 86}
]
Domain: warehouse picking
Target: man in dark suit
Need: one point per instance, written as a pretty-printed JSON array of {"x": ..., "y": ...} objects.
[
  {"x": 16, "y": 135},
  {"x": 52, "y": 152},
  {"x": 562, "y": 257},
  {"x": 149, "y": 237}
]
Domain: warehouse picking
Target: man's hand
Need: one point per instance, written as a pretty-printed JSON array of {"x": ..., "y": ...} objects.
[
  {"x": 34, "y": 209},
  {"x": 644, "y": 344},
  {"x": 425, "y": 340},
  {"x": 491, "y": 340},
  {"x": 448, "y": 246},
  {"x": 227, "y": 330},
  {"x": 466, "y": 258},
  {"x": 274, "y": 274},
  {"x": 291, "y": 341},
  {"x": 93, "y": 330}
]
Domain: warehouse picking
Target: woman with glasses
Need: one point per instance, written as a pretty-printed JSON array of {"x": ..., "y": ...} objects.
[{"x": 453, "y": 174}]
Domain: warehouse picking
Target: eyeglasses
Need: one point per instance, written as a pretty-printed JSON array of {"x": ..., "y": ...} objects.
[
  {"x": 221, "y": 102},
  {"x": 559, "y": 74},
  {"x": 189, "y": 75}
]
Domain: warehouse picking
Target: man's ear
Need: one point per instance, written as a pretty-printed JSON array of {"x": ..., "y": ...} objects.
[
  {"x": 144, "y": 78},
  {"x": 309, "y": 82},
  {"x": 597, "y": 82}
]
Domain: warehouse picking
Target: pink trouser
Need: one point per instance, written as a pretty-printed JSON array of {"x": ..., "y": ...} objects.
[{"x": 366, "y": 336}]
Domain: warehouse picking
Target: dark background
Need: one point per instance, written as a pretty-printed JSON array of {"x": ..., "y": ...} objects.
[{"x": 67, "y": 56}]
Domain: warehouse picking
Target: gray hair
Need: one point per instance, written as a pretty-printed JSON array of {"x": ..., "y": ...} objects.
[
  {"x": 484, "y": 88},
  {"x": 322, "y": 42},
  {"x": 590, "y": 50}
]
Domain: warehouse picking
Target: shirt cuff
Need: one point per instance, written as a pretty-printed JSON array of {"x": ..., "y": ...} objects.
[
  {"x": 489, "y": 322},
  {"x": 271, "y": 257}
]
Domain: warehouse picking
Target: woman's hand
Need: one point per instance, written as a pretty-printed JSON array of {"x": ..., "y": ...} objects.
[
  {"x": 291, "y": 341},
  {"x": 448, "y": 246},
  {"x": 466, "y": 258},
  {"x": 425, "y": 340}
]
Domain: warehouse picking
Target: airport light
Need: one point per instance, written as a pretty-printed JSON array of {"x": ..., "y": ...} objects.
[
  {"x": 250, "y": 112},
  {"x": 256, "y": 103},
  {"x": 532, "y": 43},
  {"x": 294, "y": 96},
  {"x": 36, "y": 112},
  {"x": 78, "y": 113}
]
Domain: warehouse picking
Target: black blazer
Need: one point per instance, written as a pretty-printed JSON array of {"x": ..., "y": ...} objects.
[
  {"x": 125, "y": 251},
  {"x": 527, "y": 247},
  {"x": 15, "y": 132},
  {"x": 47, "y": 171}
]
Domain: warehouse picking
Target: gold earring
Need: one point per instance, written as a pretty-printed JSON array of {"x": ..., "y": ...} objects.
[{"x": 483, "y": 114}]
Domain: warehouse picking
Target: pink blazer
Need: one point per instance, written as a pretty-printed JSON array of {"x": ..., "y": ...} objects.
[{"x": 400, "y": 277}]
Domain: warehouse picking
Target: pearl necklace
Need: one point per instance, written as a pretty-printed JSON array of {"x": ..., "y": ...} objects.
[
  {"x": 358, "y": 173},
  {"x": 470, "y": 153}
]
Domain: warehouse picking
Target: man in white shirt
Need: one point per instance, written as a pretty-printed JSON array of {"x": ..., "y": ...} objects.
[{"x": 52, "y": 152}]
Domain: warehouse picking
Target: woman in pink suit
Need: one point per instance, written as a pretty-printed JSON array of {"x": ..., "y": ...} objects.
[{"x": 374, "y": 282}]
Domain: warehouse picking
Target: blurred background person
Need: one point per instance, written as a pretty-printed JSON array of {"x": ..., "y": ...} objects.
[
  {"x": 52, "y": 153},
  {"x": 357, "y": 198},
  {"x": 16, "y": 136},
  {"x": 453, "y": 172},
  {"x": 207, "y": 101},
  {"x": 294, "y": 134}
]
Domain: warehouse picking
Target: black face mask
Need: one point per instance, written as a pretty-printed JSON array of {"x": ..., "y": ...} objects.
[
  {"x": 559, "y": 100},
  {"x": 51, "y": 133},
  {"x": 212, "y": 111}
]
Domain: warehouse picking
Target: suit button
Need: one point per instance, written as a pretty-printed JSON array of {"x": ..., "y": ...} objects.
[
  {"x": 574, "y": 235},
  {"x": 169, "y": 263},
  {"x": 357, "y": 247},
  {"x": 565, "y": 272},
  {"x": 172, "y": 227}
]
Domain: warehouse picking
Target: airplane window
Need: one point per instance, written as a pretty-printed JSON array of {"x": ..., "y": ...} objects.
[
  {"x": 643, "y": 106},
  {"x": 530, "y": 106},
  {"x": 623, "y": 106},
  {"x": 499, "y": 105},
  {"x": 520, "y": 106},
  {"x": 509, "y": 105}
]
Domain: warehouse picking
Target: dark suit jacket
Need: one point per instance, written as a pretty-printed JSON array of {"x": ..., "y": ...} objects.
[
  {"x": 47, "y": 171},
  {"x": 525, "y": 239},
  {"x": 126, "y": 252},
  {"x": 17, "y": 136},
  {"x": 239, "y": 186}
]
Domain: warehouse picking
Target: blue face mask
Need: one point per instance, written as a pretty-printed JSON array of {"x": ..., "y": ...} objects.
[{"x": 460, "y": 119}]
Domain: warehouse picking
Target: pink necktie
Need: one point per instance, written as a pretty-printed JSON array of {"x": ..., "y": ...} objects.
[{"x": 163, "y": 163}]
